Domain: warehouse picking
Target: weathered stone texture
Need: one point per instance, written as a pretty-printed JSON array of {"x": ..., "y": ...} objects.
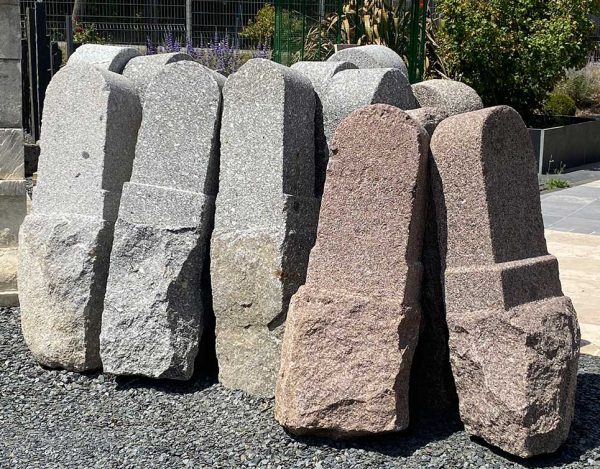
[
  {"x": 152, "y": 319},
  {"x": 90, "y": 123},
  {"x": 449, "y": 96},
  {"x": 514, "y": 338},
  {"x": 142, "y": 70},
  {"x": 428, "y": 117},
  {"x": 13, "y": 208},
  {"x": 265, "y": 220},
  {"x": 370, "y": 56},
  {"x": 12, "y": 160},
  {"x": 353, "y": 328},
  {"x": 349, "y": 90},
  {"x": 13, "y": 197},
  {"x": 319, "y": 74},
  {"x": 111, "y": 58}
]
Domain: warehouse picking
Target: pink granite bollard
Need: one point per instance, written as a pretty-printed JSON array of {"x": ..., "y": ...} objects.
[
  {"x": 352, "y": 329},
  {"x": 513, "y": 336}
]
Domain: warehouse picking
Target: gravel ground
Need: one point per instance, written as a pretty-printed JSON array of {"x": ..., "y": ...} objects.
[{"x": 55, "y": 419}]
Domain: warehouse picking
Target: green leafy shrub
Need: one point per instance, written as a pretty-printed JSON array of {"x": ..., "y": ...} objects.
[
  {"x": 514, "y": 51},
  {"x": 559, "y": 104},
  {"x": 261, "y": 29},
  {"x": 581, "y": 86}
]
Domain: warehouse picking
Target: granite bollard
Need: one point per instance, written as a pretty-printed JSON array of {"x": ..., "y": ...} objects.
[
  {"x": 349, "y": 90},
  {"x": 152, "y": 319},
  {"x": 353, "y": 327},
  {"x": 111, "y": 58},
  {"x": 266, "y": 217},
  {"x": 90, "y": 124},
  {"x": 319, "y": 74},
  {"x": 143, "y": 69},
  {"x": 370, "y": 56},
  {"x": 513, "y": 336},
  {"x": 449, "y": 96}
]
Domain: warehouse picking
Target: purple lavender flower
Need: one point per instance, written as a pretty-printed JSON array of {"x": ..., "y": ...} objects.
[
  {"x": 169, "y": 42},
  {"x": 150, "y": 47},
  {"x": 189, "y": 48}
]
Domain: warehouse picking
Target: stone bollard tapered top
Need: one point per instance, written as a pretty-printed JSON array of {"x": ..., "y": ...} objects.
[
  {"x": 265, "y": 219},
  {"x": 370, "y": 56},
  {"x": 449, "y": 96},
  {"x": 353, "y": 327},
  {"x": 513, "y": 336},
  {"x": 349, "y": 90},
  {"x": 89, "y": 130},
  {"x": 153, "y": 314},
  {"x": 141, "y": 70},
  {"x": 111, "y": 58}
]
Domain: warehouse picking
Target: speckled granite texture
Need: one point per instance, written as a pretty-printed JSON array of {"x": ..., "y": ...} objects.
[
  {"x": 514, "y": 338},
  {"x": 353, "y": 327},
  {"x": 152, "y": 320},
  {"x": 266, "y": 218},
  {"x": 90, "y": 125}
]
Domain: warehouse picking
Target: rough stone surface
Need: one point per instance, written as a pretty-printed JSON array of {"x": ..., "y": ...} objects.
[
  {"x": 11, "y": 154},
  {"x": 90, "y": 124},
  {"x": 265, "y": 220},
  {"x": 134, "y": 422},
  {"x": 111, "y": 58},
  {"x": 13, "y": 209},
  {"x": 13, "y": 198},
  {"x": 142, "y": 70},
  {"x": 152, "y": 320},
  {"x": 370, "y": 56},
  {"x": 10, "y": 91},
  {"x": 514, "y": 338},
  {"x": 353, "y": 328},
  {"x": 352, "y": 89},
  {"x": 428, "y": 117},
  {"x": 319, "y": 74},
  {"x": 448, "y": 96}
]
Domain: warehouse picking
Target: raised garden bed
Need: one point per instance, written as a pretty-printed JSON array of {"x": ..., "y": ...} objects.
[{"x": 565, "y": 142}]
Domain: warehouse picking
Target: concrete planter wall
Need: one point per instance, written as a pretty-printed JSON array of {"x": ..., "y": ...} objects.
[{"x": 575, "y": 143}]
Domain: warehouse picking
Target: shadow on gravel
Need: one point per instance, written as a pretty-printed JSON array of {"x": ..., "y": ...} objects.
[
  {"x": 584, "y": 435},
  {"x": 585, "y": 431},
  {"x": 197, "y": 383},
  {"x": 425, "y": 428}
]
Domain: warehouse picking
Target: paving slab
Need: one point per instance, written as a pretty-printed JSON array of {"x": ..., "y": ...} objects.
[
  {"x": 574, "y": 210},
  {"x": 579, "y": 260}
]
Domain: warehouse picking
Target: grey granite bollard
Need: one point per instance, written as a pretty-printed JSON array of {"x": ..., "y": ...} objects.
[
  {"x": 449, "y": 96},
  {"x": 143, "y": 69},
  {"x": 90, "y": 124},
  {"x": 13, "y": 196},
  {"x": 428, "y": 117},
  {"x": 370, "y": 56},
  {"x": 152, "y": 319},
  {"x": 349, "y": 90},
  {"x": 265, "y": 220},
  {"x": 514, "y": 338},
  {"x": 353, "y": 327},
  {"x": 111, "y": 58},
  {"x": 319, "y": 74}
]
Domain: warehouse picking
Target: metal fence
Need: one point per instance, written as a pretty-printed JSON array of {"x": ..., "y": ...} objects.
[
  {"x": 309, "y": 29},
  {"x": 134, "y": 21}
]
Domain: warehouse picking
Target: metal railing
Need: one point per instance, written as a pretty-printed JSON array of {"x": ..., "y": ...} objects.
[{"x": 134, "y": 21}]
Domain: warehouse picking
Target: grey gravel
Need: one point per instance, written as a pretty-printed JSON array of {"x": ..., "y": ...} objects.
[{"x": 59, "y": 419}]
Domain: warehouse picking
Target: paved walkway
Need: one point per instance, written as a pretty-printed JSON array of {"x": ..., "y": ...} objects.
[
  {"x": 574, "y": 210},
  {"x": 572, "y": 219}
]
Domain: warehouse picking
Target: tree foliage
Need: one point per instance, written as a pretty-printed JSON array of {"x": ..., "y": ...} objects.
[{"x": 514, "y": 51}]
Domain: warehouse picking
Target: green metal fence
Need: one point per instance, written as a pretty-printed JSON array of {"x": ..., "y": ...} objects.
[{"x": 310, "y": 29}]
